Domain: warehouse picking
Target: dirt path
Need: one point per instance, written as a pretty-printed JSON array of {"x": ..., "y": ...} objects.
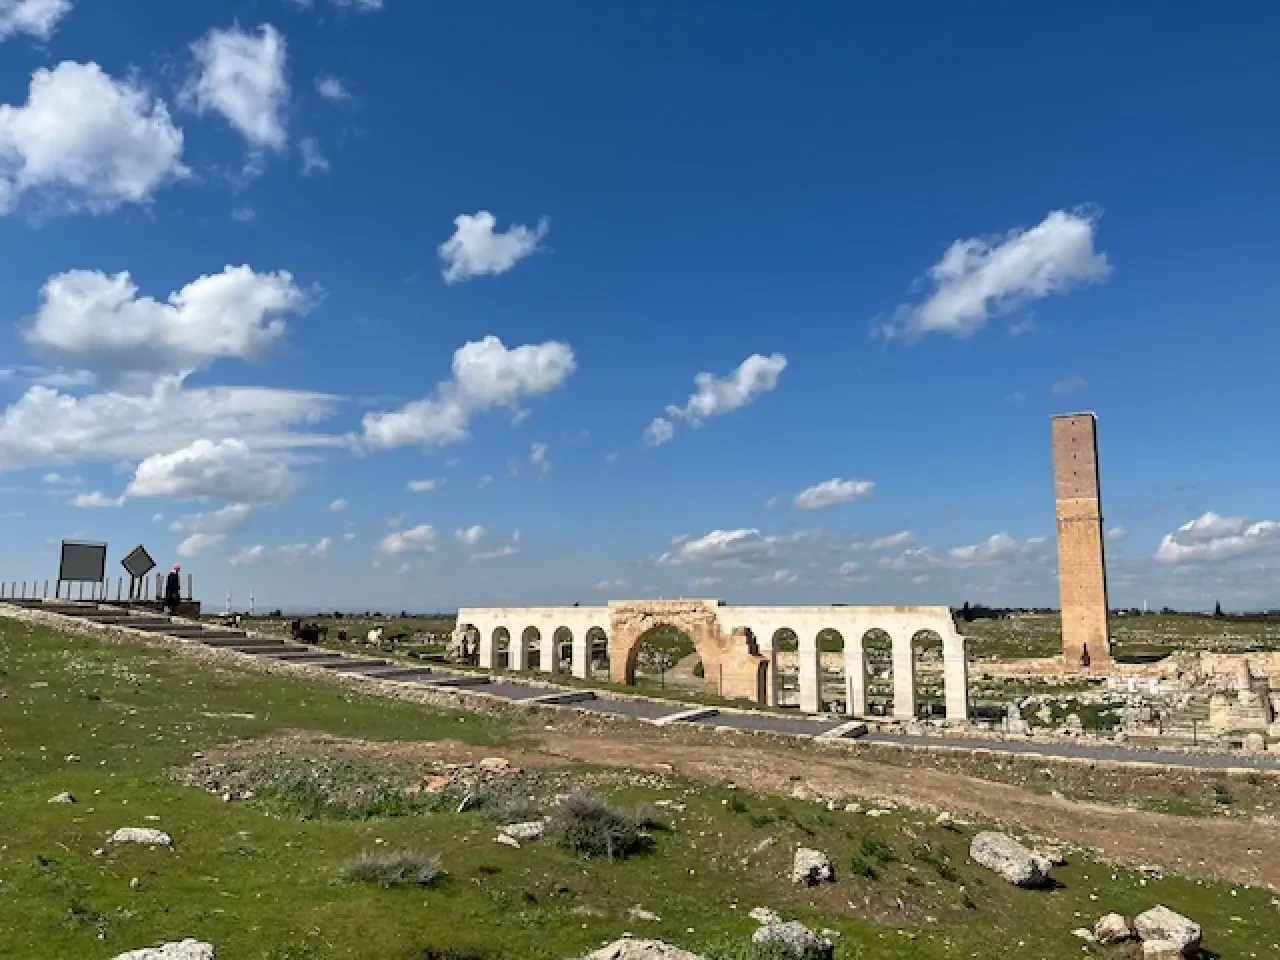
[{"x": 1233, "y": 850}]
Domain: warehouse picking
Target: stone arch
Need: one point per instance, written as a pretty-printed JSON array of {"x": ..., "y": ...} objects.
[
  {"x": 561, "y": 651},
  {"x": 598, "y": 651},
  {"x": 658, "y": 650},
  {"x": 530, "y": 648},
  {"x": 466, "y": 643},
  {"x": 501, "y": 648},
  {"x": 877, "y": 664},
  {"x": 928, "y": 683},
  {"x": 786, "y": 646},
  {"x": 833, "y": 679}
]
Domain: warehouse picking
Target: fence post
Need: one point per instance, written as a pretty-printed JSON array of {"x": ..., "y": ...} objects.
[
  {"x": 44, "y": 594},
  {"x": 190, "y": 594}
]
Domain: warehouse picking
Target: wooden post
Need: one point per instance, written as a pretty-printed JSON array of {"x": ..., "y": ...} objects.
[{"x": 44, "y": 594}]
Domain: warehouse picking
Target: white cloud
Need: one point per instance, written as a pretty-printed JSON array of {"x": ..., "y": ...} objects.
[
  {"x": 982, "y": 277},
  {"x": 903, "y": 538},
  {"x": 48, "y": 428},
  {"x": 470, "y": 536},
  {"x": 246, "y": 555},
  {"x": 659, "y": 431},
  {"x": 701, "y": 583},
  {"x": 727, "y": 547},
  {"x": 313, "y": 158},
  {"x": 420, "y": 539},
  {"x": 1069, "y": 385},
  {"x": 716, "y": 396},
  {"x": 95, "y": 499},
  {"x": 208, "y": 530},
  {"x": 241, "y": 75},
  {"x": 538, "y": 457},
  {"x": 475, "y": 250},
  {"x": 485, "y": 481},
  {"x": 84, "y": 141},
  {"x": 99, "y": 322},
  {"x": 833, "y": 493},
  {"x": 218, "y": 470},
  {"x": 611, "y": 584},
  {"x": 485, "y": 375},
  {"x": 426, "y": 485},
  {"x": 332, "y": 88},
  {"x": 1117, "y": 533},
  {"x": 510, "y": 549},
  {"x": 322, "y": 547},
  {"x": 848, "y": 568},
  {"x": 36, "y": 18},
  {"x": 359, "y": 6},
  {"x": 1213, "y": 537},
  {"x": 776, "y": 576},
  {"x": 244, "y": 214},
  {"x": 997, "y": 548},
  {"x": 62, "y": 480},
  {"x": 337, "y": 506}
]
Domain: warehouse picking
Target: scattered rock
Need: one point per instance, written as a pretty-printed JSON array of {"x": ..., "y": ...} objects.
[
  {"x": 525, "y": 832},
  {"x": 640, "y": 913},
  {"x": 628, "y": 949},
  {"x": 494, "y": 764},
  {"x": 63, "y": 797},
  {"x": 1161, "y": 950},
  {"x": 1255, "y": 743},
  {"x": 1160, "y": 923},
  {"x": 144, "y": 835},
  {"x": 508, "y": 840},
  {"x": 764, "y": 915},
  {"x": 793, "y": 939},
  {"x": 1007, "y": 857},
  {"x": 1112, "y": 928},
  {"x": 812, "y": 867},
  {"x": 945, "y": 820},
  {"x": 1054, "y": 855},
  {"x": 184, "y": 950},
  {"x": 1085, "y": 934}
]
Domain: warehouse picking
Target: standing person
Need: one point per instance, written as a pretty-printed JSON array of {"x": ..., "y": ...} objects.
[{"x": 173, "y": 590}]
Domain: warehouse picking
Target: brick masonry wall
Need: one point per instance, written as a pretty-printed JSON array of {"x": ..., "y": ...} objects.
[{"x": 1081, "y": 559}]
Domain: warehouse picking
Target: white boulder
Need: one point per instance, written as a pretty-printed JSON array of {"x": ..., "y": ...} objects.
[
  {"x": 1162, "y": 924},
  {"x": 628, "y": 949},
  {"x": 764, "y": 915},
  {"x": 812, "y": 867},
  {"x": 143, "y": 835},
  {"x": 1112, "y": 928},
  {"x": 1007, "y": 857},
  {"x": 793, "y": 939},
  {"x": 525, "y": 832},
  {"x": 178, "y": 950}
]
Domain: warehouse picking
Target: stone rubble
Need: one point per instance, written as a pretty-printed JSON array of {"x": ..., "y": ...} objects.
[
  {"x": 628, "y": 949},
  {"x": 143, "y": 835},
  {"x": 1111, "y": 929},
  {"x": 812, "y": 867},
  {"x": 1160, "y": 924},
  {"x": 794, "y": 940},
  {"x": 178, "y": 950},
  {"x": 1010, "y": 859}
]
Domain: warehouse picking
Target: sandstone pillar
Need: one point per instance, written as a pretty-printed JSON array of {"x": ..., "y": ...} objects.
[
  {"x": 581, "y": 655},
  {"x": 904, "y": 676},
  {"x": 517, "y": 657},
  {"x": 955, "y": 678},
  {"x": 1082, "y": 576},
  {"x": 810, "y": 673},
  {"x": 486, "y": 649},
  {"x": 549, "y": 653},
  {"x": 855, "y": 672}
]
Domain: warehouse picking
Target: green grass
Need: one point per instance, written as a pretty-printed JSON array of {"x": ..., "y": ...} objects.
[{"x": 264, "y": 878}]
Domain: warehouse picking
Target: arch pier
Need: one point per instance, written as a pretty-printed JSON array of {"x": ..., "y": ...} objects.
[{"x": 737, "y": 646}]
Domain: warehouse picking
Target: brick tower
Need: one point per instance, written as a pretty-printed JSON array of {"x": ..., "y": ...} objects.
[{"x": 1082, "y": 571}]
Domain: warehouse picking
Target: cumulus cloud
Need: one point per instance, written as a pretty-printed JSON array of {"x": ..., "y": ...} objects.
[
  {"x": 611, "y": 584},
  {"x": 47, "y": 428},
  {"x": 207, "y": 530},
  {"x": 470, "y": 536},
  {"x": 95, "y": 499},
  {"x": 198, "y": 543},
  {"x": 538, "y": 457},
  {"x": 84, "y": 141},
  {"x": 332, "y": 88},
  {"x": 36, "y": 18},
  {"x": 1213, "y": 537},
  {"x": 903, "y": 538},
  {"x": 215, "y": 470},
  {"x": 776, "y": 577},
  {"x": 715, "y": 396},
  {"x": 313, "y": 158},
  {"x": 727, "y": 547},
  {"x": 833, "y": 493},
  {"x": 475, "y": 250},
  {"x": 981, "y": 277},
  {"x": 62, "y": 480},
  {"x": 486, "y": 375},
  {"x": 997, "y": 548},
  {"x": 337, "y": 506},
  {"x": 100, "y": 323},
  {"x": 420, "y": 539},
  {"x": 510, "y": 548},
  {"x": 426, "y": 485},
  {"x": 1117, "y": 533},
  {"x": 701, "y": 583},
  {"x": 848, "y": 569},
  {"x": 241, "y": 75}
]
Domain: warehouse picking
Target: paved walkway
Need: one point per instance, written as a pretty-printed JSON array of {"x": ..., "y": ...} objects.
[{"x": 651, "y": 709}]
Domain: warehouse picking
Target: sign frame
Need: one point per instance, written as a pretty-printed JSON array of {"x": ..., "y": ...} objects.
[
  {"x": 131, "y": 555},
  {"x": 85, "y": 556}
]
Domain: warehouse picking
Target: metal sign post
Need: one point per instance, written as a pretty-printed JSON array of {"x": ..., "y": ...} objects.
[
  {"x": 81, "y": 562},
  {"x": 137, "y": 564}
]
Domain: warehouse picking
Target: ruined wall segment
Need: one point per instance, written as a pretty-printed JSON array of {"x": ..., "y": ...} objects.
[{"x": 1082, "y": 575}]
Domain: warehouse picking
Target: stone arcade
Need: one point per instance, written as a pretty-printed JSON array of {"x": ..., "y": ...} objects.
[{"x": 737, "y": 645}]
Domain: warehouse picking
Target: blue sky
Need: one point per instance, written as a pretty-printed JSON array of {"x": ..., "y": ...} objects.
[{"x": 266, "y": 266}]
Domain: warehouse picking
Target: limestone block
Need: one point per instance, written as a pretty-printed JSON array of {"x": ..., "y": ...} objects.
[
  {"x": 1016, "y": 863},
  {"x": 1161, "y": 923}
]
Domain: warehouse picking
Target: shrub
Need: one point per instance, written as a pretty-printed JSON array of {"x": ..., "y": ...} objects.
[
  {"x": 589, "y": 826},
  {"x": 504, "y": 803},
  {"x": 735, "y": 804},
  {"x": 699, "y": 670},
  {"x": 392, "y": 868}
]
